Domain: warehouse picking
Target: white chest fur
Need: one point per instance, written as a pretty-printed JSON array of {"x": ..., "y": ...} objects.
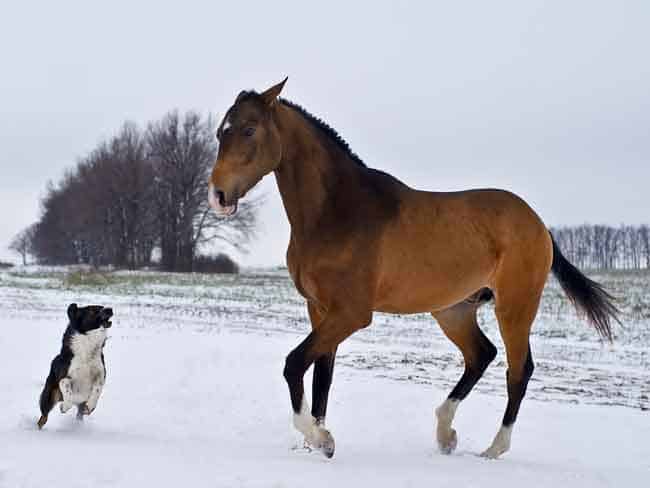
[{"x": 86, "y": 372}]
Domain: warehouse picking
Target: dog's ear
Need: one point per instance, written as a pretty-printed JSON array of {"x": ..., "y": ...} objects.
[{"x": 72, "y": 312}]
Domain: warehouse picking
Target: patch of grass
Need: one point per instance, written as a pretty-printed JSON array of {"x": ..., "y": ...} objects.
[{"x": 88, "y": 278}]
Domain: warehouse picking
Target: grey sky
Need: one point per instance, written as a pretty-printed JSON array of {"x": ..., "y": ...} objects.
[{"x": 548, "y": 99}]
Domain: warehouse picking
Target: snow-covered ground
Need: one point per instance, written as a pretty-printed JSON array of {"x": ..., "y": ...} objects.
[{"x": 195, "y": 394}]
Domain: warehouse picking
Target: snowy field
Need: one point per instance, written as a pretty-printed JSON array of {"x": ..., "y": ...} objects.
[{"x": 195, "y": 394}]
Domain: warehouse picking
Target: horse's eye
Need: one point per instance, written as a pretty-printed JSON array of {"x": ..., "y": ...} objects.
[{"x": 249, "y": 131}]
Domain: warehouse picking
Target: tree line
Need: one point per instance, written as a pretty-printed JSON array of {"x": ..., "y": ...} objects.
[
  {"x": 139, "y": 192},
  {"x": 605, "y": 247}
]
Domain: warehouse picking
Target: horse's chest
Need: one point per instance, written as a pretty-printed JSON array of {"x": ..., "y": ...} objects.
[
  {"x": 302, "y": 279},
  {"x": 318, "y": 274}
]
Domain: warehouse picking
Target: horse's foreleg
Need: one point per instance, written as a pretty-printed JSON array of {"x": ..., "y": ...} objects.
[
  {"x": 323, "y": 371},
  {"x": 460, "y": 326},
  {"x": 334, "y": 328}
]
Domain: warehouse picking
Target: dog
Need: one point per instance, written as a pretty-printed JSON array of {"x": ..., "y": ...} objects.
[{"x": 78, "y": 373}]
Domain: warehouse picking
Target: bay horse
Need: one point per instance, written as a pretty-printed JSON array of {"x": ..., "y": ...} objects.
[{"x": 363, "y": 241}]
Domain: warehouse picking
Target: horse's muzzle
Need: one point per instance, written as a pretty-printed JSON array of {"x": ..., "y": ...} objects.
[{"x": 217, "y": 200}]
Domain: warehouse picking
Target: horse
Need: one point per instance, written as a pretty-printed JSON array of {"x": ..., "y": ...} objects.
[{"x": 362, "y": 242}]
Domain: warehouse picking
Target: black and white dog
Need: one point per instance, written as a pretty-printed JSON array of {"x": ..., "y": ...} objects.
[{"x": 78, "y": 373}]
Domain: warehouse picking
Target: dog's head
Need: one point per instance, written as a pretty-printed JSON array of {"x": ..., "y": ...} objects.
[{"x": 85, "y": 319}]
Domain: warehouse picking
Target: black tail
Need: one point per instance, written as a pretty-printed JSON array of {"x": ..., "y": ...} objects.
[{"x": 586, "y": 295}]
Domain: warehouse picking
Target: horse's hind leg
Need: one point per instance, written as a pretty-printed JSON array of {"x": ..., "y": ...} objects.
[
  {"x": 516, "y": 307},
  {"x": 460, "y": 326}
]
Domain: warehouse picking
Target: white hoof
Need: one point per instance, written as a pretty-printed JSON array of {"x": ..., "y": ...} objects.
[
  {"x": 492, "y": 453},
  {"x": 322, "y": 441},
  {"x": 316, "y": 436},
  {"x": 500, "y": 444},
  {"x": 447, "y": 441},
  {"x": 446, "y": 436}
]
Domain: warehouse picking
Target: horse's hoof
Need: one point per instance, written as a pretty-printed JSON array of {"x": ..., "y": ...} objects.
[
  {"x": 492, "y": 453},
  {"x": 500, "y": 444},
  {"x": 323, "y": 442},
  {"x": 327, "y": 447},
  {"x": 41, "y": 422},
  {"x": 447, "y": 444}
]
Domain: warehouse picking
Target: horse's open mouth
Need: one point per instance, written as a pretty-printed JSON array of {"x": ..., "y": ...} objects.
[
  {"x": 221, "y": 208},
  {"x": 228, "y": 210},
  {"x": 225, "y": 210}
]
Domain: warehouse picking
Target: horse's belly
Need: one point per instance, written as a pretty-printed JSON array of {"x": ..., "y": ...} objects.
[{"x": 427, "y": 288}]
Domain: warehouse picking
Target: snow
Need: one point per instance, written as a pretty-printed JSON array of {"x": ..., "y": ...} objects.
[{"x": 199, "y": 400}]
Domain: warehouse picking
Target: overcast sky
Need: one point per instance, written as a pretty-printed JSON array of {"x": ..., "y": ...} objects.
[{"x": 548, "y": 99}]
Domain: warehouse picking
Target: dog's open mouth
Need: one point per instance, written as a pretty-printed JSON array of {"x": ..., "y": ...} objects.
[{"x": 107, "y": 313}]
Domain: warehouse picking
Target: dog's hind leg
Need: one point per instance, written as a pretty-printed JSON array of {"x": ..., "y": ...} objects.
[{"x": 50, "y": 396}]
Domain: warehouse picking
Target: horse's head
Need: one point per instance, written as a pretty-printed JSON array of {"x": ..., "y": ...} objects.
[{"x": 249, "y": 148}]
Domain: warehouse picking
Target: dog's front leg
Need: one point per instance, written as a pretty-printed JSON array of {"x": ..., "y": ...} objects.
[
  {"x": 65, "y": 385},
  {"x": 95, "y": 392}
]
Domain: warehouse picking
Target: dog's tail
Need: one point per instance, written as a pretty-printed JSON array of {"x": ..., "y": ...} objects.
[{"x": 588, "y": 296}]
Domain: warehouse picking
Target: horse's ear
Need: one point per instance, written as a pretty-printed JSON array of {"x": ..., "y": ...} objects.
[
  {"x": 270, "y": 96},
  {"x": 241, "y": 95}
]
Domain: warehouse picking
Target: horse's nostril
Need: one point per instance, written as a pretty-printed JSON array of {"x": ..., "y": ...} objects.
[
  {"x": 222, "y": 198},
  {"x": 218, "y": 195}
]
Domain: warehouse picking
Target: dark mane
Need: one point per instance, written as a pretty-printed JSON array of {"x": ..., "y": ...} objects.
[
  {"x": 315, "y": 121},
  {"x": 326, "y": 129}
]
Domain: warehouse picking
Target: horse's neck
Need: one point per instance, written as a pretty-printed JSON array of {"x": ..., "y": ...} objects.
[{"x": 307, "y": 175}]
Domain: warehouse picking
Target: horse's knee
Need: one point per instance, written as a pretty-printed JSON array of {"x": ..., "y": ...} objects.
[
  {"x": 289, "y": 369},
  {"x": 293, "y": 366}
]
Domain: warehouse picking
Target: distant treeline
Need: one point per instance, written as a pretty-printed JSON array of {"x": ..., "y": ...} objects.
[
  {"x": 139, "y": 191},
  {"x": 604, "y": 247}
]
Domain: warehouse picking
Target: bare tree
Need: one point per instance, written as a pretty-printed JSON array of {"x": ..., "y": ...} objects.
[
  {"x": 606, "y": 247},
  {"x": 22, "y": 243},
  {"x": 182, "y": 149},
  {"x": 137, "y": 191}
]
